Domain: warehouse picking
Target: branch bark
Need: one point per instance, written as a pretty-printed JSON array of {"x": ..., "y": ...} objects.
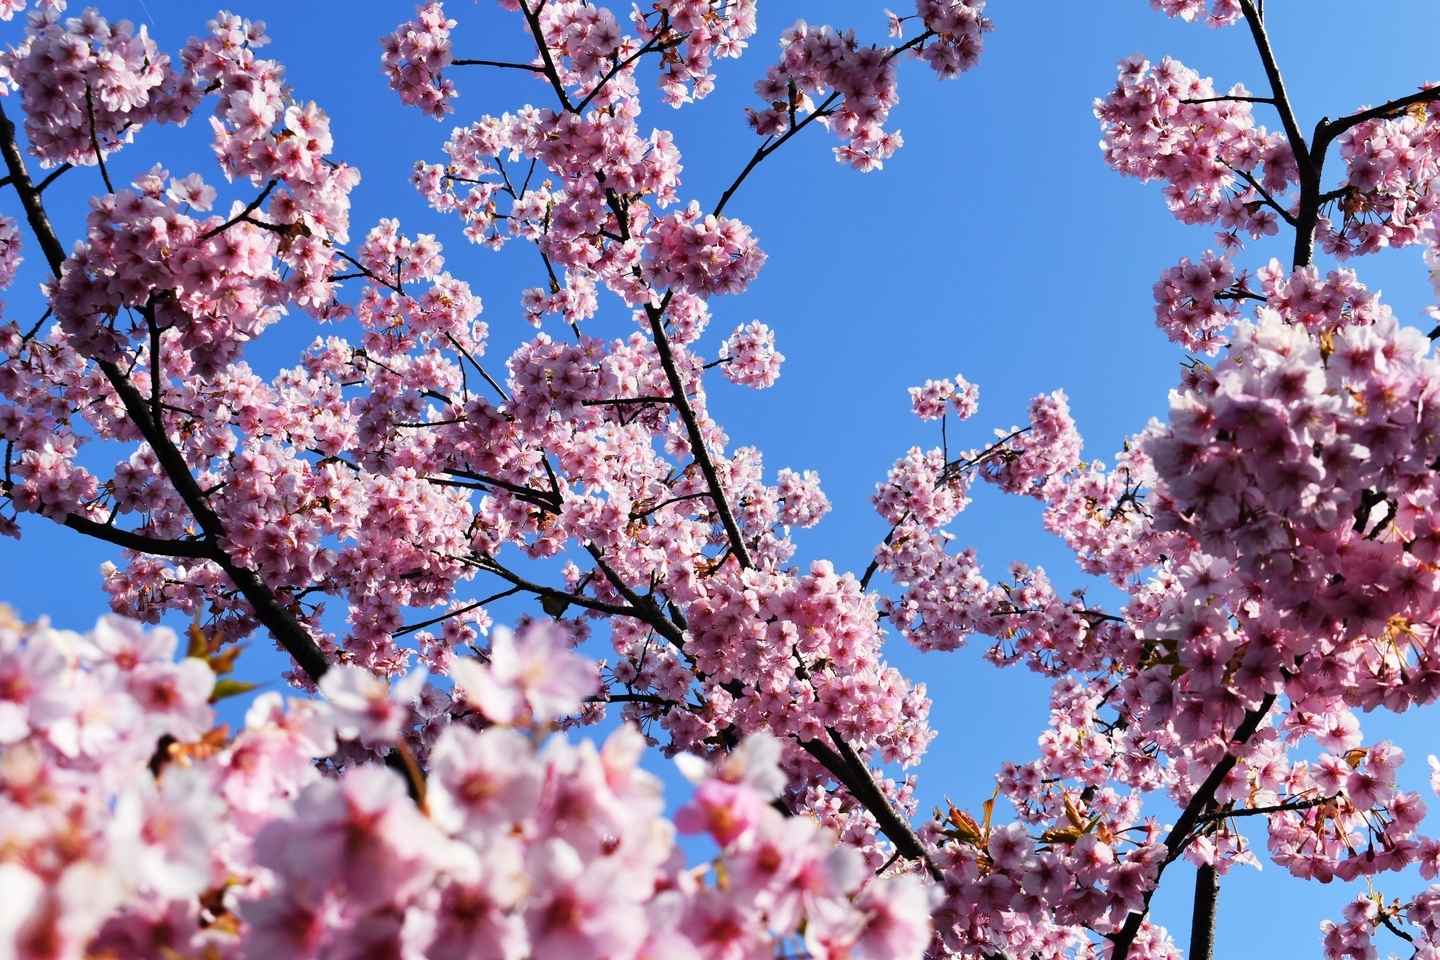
[
  {"x": 191, "y": 549},
  {"x": 1202, "y": 921},
  {"x": 1309, "y": 164}
]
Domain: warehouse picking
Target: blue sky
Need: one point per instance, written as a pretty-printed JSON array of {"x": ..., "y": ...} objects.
[{"x": 994, "y": 244}]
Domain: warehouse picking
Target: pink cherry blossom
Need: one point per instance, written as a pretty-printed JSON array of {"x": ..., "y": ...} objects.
[{"x": 529, "y": 674}]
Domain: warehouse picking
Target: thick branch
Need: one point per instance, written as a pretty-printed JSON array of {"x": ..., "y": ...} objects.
[
  {"x": 1278, "y": 96},
  {"x": 863, "y": 790},
  {"x": 190, "y": 549},
  {"x": 896, "y": 827},
  {"x": 1202, "y": 920},
  {"x": 29, "y": 196},
  {"x": 649, "y": 609},
  {"x": 1309, "y": 164}
]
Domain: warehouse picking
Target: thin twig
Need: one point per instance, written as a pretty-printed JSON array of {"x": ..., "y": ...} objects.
[
  {"x": 243, "y": 214},
  {"x": 527, "y": 67},
  {"x": 455, "y": 613},
  {"x": 55, "y": 175},
  {"x": 95, "y": 140}
]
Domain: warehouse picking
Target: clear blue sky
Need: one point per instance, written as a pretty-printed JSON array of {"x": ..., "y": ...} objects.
[{"x": 995, "y": 244}]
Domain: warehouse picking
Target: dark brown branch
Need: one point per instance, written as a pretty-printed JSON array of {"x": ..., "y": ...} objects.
[
  {"x": 527, "y": 67},
  {"x": 532, "y": 18},
  {"x": 648, "y": 698},
  {"x": 617, "y": 401},
  {"x": 1308, "y": 164},
  {"x": 1278, "y": 96},
  {"x": 856, "y": 777},
  {"x": 1230, "y": 97},
  {"x": 539, "y": 498},
  {"x": 1180, "y": 833},
  {"x": 1260, "y": 811},
  {"x": 766, "y": 149},
  {"x": 190, "y": 549},
  {"x": 580, "y": 600},
  {"x": 1202, "y": 919},
  {"x": 455, "y": 613},
  {"x": 620, "y": 65},
  {"x": 157, "y": 381},
  {"x": 1390, "y": 925},
  {"x": 55, "y": 175},
  {"x": 642, "y": 514},
  {"x": 875, "y": 562},
  {"x": 1264, "y": 195},
  {"x": 29, "y": 196},
  {"x": 476, "y": 363},
  {"x": 243, "y": 214},
  {"x": 696, "y": 436},
  {"x": 648, "y": 611},
  {"x": 821, "y": 111},
  {"x": 95, "y": 140},
  {"x": 1333, "y": 128}
]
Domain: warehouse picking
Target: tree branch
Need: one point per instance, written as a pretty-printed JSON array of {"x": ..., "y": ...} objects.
[
  {"x": 1202, "y": 918},
  {"x": 95, "y": 140},
  {"x": 1179, "y": 834},
  {"x": 527, "y": 67},
  {"x": 532, "y": 18},
  {"x": 1260, "y": 811},
  {"x": 1308, "y": 164},
  {"x": 489, "y": 565},
  {"x": 1333, "y": 128},
  {"x": 190, "y": 549},
  {"x": 455, "y": 613},
  {"x": 243, "y": 214},
  {"x": 820, "y": 111},
  {"x": 698, "y": 448}
]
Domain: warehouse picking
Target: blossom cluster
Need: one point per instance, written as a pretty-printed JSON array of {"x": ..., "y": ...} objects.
[
  {"x": 1191, "y": 302},
  {"x": 1386, "y": 199},
  {"x": 1275, "y": 541},
  {"x": 959, "y": 28},
  {"x": 813, "y": 63},
  {"x": 134, "y": 828},
  {"x": 936, "y": 397},
  {"x": 414, "y": 56},
  {"x": 1166, "y": 122},
  {"x": 87, "y": 85},
  {"x": 695, "y": 32},
  {"x": 750, "y": 358},
  {"x": 1220, "y": 13}
]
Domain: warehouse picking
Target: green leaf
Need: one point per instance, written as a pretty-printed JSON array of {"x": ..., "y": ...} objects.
[{"x": 230, "y": 688}]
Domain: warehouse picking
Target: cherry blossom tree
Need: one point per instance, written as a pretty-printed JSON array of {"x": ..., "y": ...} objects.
[{"x": 1274, "y": 543}]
